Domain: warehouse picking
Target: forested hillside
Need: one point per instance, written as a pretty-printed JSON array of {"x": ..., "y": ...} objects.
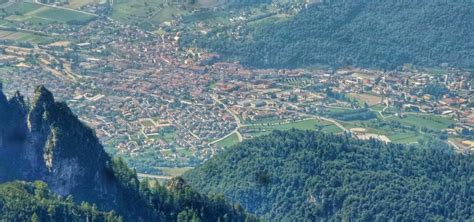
[
  {"x": 299, "y": 176},
  {"x": 35, "y": 202},
  {"x": 382, "y": 34}
]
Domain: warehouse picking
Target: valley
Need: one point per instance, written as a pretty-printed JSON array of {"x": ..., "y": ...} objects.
[
  {"x": 236, "y": 111},
  {"x": 159, "y": 104}
]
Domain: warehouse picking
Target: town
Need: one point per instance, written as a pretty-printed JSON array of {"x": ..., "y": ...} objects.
[{"x": 157, "y": 103}]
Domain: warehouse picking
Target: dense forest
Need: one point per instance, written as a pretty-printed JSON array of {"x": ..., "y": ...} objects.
[
  {"x": 35, "y": 202},
  {"x": 308, "y": 176},
  {"x": 381, "y": 34}
]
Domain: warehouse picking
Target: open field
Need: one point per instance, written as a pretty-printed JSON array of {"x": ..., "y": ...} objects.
[
  {"x": 431, "y": 122},
  {"x": 25, "y": 11},
  {"x": 309, "y": 124},
  {"x": 174, "y": 172},
  {"x": 22, "y": 36},
  {"x": 75, "y": 4},
  {"x": 167, "y": 136},
  {"x": 403, "y": 135},
  {"x": 144, "y": 13},
  {"x": 366, "y": 98},
  {"x": 270, "y": 20},
  {"x": 377, "y": 107},
  {"x": 21, "y": 8},
  {"x": 230, "y": 140},
  {"x": 405, "y": 138}
]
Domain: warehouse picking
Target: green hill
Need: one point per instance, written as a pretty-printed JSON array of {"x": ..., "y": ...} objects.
[
  {"x": 308, "y": 176},
  {"x": 382, "y": 34}
]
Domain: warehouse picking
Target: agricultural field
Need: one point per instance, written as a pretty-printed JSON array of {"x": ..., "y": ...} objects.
[
  {"x": 431, "y": 122},
  {"x": 40, "y": 14},
  {"x": 404, "y": 130},
  {"x": 22, "y": 36},
  {"x": 76, "y": 4},
  {"x": 394, "y": 134},
  {"x": 146, "y": 14},
  {"x": 405, "y": 138},
  {"x": 21, "y": 8}
]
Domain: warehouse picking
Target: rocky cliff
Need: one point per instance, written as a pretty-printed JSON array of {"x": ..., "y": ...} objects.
[{"x": 44, "y": 140}]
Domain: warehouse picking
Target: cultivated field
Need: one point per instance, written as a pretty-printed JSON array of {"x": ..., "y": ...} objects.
[
  {"x": 22, "y": 36},
  {"x": 35, "y": 13},
  {"x": 76, "y": 4},
  {"x": 431, "y": 122},
  {"x": 144, "y": 13}
]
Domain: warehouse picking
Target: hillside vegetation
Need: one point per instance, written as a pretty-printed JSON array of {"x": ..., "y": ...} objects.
[
  {"x": 308, "y": 176},
  {"x": 35, "y": 202},
  {"x": 382, "y": 34}
]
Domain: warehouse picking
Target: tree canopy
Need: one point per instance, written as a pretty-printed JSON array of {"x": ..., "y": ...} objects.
[
  {"x": 309, "y": 176},
  {"x": 381, "y": 34}
]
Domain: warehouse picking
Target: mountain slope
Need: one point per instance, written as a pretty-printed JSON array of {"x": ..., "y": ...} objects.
[
  {"x": 383, "y": 34},
  {"x": 298, "y": 176},
  {"x": 34, "y": 202},
  {"x": 44, "y": 141}
]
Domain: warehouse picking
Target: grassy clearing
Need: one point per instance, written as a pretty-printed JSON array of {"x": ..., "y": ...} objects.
[
  {"x": 145, "y": 13},
  {"x": 184, "y": 152},
  {"x": 230, "y": 140},
  {"x": 270, "y": 20},
  {"x": 174, "y": 172},
  {"x": 75, "y": 4},
  {"x": 39, "y": 14},
  {"x": 336, "y": 110},
  {"x": 23, "y": 36},
  {"x": 366, "y": 98},
  {"x": 405, "y": 138},
  {"x": 21, "y": 8},
  {"x": 63, "y": 16},
  {"x": 431, "y": 122},
  {"x": 207, "y": 16},
  {"x": 167, "y": 136},
  {"x": 309, "y": 124},
  {"x": 378, "y": 107}
]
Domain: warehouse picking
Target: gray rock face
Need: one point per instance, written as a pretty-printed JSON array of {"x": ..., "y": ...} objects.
[{"x": 45, "y": 141}]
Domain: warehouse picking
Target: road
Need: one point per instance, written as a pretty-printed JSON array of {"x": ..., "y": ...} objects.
[{"x": 236, "y": 118}]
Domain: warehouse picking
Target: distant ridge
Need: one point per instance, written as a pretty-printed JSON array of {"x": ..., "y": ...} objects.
[{"x": 369, "y": 33}]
